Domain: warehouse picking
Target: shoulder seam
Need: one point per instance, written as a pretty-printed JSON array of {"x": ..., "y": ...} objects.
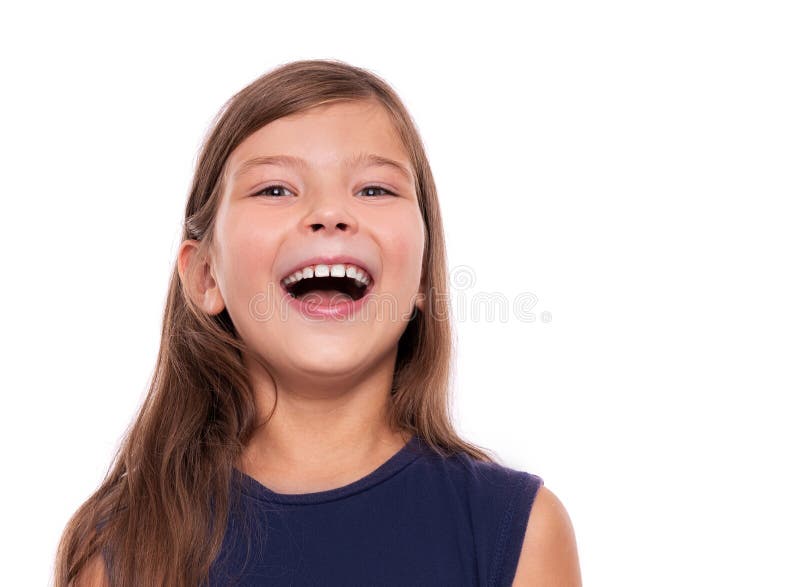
[{"x": 501, "y": 550}]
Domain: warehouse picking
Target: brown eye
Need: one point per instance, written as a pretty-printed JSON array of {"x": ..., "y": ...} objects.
[{"x": 272, "y": 191}]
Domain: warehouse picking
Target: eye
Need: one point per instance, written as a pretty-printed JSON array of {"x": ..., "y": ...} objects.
[
  {"x": 270, "y": 191},
  {"x": 374, "y": 188},
  {"x": 274, "y": 191}
]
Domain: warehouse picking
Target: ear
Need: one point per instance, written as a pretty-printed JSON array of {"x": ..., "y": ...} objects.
[
  {"x": 420, "y": 301},
  {"x": 197, "y": 276}
]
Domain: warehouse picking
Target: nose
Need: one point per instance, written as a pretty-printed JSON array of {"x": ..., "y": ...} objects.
[{"x": 331, "y": 214}]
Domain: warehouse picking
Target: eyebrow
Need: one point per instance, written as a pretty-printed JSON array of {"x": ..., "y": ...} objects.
[{"x": 365, "y": 159}]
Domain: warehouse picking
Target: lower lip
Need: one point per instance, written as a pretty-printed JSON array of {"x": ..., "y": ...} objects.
[{"x": 317, "y": 309}]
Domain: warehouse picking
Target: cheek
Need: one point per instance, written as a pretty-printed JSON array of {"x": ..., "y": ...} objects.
[
  {"x": 404, "y": 244},
  {"x": 247, "y": 259}
]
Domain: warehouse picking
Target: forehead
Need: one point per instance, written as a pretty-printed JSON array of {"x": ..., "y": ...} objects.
[{"x": 325, "y": 134}]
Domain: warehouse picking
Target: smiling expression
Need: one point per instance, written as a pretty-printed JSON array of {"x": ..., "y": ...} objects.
[{"x": 334, "y": 182}]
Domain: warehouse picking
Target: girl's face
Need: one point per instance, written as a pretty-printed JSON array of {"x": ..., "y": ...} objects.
[{"x": 317, "y": 196}]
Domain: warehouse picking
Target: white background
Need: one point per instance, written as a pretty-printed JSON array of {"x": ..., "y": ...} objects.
[{"x": 634, "y": 165}]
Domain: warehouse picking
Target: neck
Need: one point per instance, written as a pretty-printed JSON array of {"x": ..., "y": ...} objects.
[{"x": 323, "y": 433}]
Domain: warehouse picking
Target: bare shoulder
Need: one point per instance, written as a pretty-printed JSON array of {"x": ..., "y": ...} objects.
[
  {"x": 93, "y": 574},
  {"x": 549, "y": 554}
]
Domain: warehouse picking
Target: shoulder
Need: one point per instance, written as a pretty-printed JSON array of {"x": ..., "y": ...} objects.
[
  {"x": 522, "y": 533},
  {"x": 93, "y": 574},
  {"x": 549, "y": 554}
]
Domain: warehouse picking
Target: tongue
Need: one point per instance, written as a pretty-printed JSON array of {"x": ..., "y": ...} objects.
[{"x": 325, "y": 296}]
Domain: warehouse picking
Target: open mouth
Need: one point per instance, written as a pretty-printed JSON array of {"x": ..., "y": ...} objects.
[
  {"x": 327, "y": 288},
  {"x": 328, "y": 282}
]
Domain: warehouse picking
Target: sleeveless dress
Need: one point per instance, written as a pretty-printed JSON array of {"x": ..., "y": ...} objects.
[{"x": 419, "y": 520}]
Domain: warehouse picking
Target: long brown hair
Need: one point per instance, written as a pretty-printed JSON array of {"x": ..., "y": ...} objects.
[{"x": 160, "y": 514}]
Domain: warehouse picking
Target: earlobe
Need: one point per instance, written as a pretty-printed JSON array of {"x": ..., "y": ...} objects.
[
  {"x": 197, "y": 278},
  {"x": 420, "y": 301}
]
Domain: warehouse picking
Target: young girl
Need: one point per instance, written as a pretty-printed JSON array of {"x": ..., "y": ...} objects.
[{"x": 297, "y": 428}]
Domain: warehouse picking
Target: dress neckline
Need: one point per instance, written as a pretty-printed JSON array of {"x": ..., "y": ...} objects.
[{"x": 405, "y": 456}]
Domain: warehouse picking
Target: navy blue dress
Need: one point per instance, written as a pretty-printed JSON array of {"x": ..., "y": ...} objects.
[{"x": 418, "y": 520}]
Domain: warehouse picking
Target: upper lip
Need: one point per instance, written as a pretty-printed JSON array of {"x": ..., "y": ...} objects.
[{"x": 331, "y": 260}]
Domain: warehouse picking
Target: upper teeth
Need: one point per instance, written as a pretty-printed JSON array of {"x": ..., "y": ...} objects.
[{"x": 339, "y": 270}]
